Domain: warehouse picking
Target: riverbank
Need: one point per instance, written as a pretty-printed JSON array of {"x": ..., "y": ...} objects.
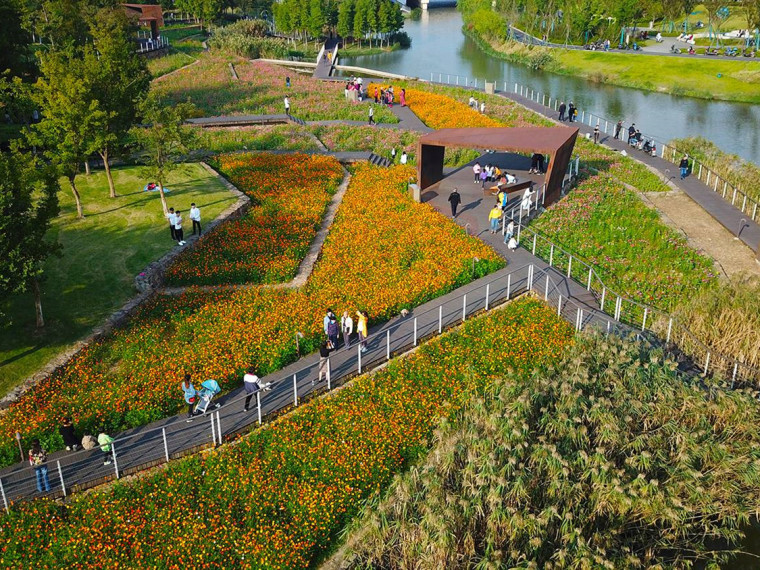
[{"x": 734, "y": 80}]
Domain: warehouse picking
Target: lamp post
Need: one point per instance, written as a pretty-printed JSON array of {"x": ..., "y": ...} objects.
[
  {"x": 20, "y": 449},
  {"x": 299, "y": 334}
]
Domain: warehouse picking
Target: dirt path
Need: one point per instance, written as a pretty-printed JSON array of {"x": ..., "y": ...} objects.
[{"x": 704, "y": 232}]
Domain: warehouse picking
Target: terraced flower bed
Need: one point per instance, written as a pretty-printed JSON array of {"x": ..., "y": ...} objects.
[
  {"x": 260, "y": 90},
  {"x": 280, "y": 497},
  {"x": 290, "y": 194},
  {"x": 384, "y": 252}
]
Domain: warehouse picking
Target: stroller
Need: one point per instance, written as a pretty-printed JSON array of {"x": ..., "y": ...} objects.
[{"x": 209, "y": 389}]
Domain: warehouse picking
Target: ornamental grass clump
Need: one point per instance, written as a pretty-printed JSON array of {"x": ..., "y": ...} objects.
[{"x": 608, "y": 459}]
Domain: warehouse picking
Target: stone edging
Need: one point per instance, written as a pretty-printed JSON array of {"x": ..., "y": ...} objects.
[{"x": 145, "y": 285}]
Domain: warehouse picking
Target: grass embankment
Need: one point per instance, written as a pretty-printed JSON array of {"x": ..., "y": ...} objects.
[
  {"x": 739, "y": 81},
  {"x": 280, "y": 497},
  {"x": 741, "y": 173},
  {"x": 100, "y": 257}
]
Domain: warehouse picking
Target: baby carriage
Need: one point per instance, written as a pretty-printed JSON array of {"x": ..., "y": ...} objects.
[{"x": 209, "y": 389}]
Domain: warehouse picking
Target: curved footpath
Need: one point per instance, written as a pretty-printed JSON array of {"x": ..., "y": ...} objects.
[{"x": 147, "y": 446}]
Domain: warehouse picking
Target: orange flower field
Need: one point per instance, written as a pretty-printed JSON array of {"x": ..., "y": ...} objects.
[
  {"x": 279, "y": 499},
  {"x": 289, "y": 194},
  {"x": 384, "y": 253}
]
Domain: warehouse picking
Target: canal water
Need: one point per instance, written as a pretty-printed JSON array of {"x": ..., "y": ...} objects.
[{"x": 439, "y": 46}]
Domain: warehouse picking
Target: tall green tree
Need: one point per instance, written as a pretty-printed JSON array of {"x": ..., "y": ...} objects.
[
  {"x": 317, "y": 19},
  {"x": 119, "y": 78},
  {"x": 28, "y": 203},
  {"x": 345, "y": 25},
  {"x": 164, "y": 141},
  {"x": 70, "y": 114},
  {"x": 15, "y": 52}
]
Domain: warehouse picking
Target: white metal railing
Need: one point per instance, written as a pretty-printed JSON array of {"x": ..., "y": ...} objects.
[
  {"x": 153, "y": 45},
  {"x": 635, "y": 314},
  {"x": 143, "y": 448},
  {"x": 710, "y": 178}
]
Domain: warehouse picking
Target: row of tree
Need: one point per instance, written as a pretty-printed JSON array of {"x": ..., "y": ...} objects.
[
  {"x": 572, "y": 20},
  {"x": 358, "y": 19},
  {"x": 90, "y": 96}
]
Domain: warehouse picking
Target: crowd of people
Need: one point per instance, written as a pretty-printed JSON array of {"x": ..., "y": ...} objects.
[
  {"x": 568, "y": 112},
  {"x": 175, "y": 223}
]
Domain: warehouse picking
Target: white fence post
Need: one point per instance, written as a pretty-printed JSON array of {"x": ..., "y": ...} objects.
[
  {"x": 388, "y": 344},
  {"x": 213, "y": 429},
  {"x": 166, "y": 444},
  {"x": 588, "y": 285},
  {"x": 670, "y": 329},
  {"x": 415, "y": 331},
  {"x": 440, "y": 318},
  {"x": 534, "y": 243},
  {"x": 488, "y": 293},
  {"x": 707, "y": 362},
  {"x": 644, "y": 320},
  {"x": 218, "y": 426},
  {"x": 60, "y": 475},
  {"x": 5, "y": 500},
  {"x": 464, "y": 307},
  {"x": 359, "y": 357},
  {"x": 559, "y": 306},
  {"x": 551, "y": 255},
  {"x": 546, "y": 290},
  {"x": 604, "y": 294},
  {"x": 329, "y": 370},
  {"x": 295, "y": 390},
  {"x": 115, "y": 464},
  {"x": 509, "y": 285},
  {"x": 569, "y": 265},
  {"x": 258, "y": 405}
]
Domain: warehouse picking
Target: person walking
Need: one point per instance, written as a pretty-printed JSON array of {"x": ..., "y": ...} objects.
[
  {"x": 454, "y": 199},
  {"x": 371, "y": 115},
  {"x": 512, "y": 244},
  {"x": 596, "y": 134},
  {"x": 402, "y": 98},
  {"x": 684, "y": 166},
  {"x": 38, "y": 461},
  {"x": 510, "y": 231},
  {"x": 482, "y": 107},
  {"x": 171, "y": 216},
  {"x": 483, "y": 177},
  {"x": 178, "y": 233},
  {"x": 324, "y": 360},
  {"x": 326, "y": 320},
  {"x": 618, "y": 129},
  {"x": 287, "y": 106},
  {"x": 188, "y": 392},
  {"x": 476, "y": 168},
  {"x": 251, "y": 385},
  {"x": 571, "y": 111},
  {"x": 361, "y": 328},
  {"x": 287, "y": 82},
  {"x": 404, "y": 158},
  {"x": 67, "y": 433},
  {"x": 195, "y": 216},
  {"x": 105, "y": 442},
  {"x": 493, "y": 217},
  {"x": 333, "y": 330},
  {"x": 562, "y": 108},
  {"x": 393, "y": 155},
  {"x": 631, "y": 132},
  {"x": 347, "y": 328}
]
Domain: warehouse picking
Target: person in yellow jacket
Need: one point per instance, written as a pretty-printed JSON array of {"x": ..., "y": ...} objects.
[
  {"x": 494, "y": 216},
  {"x": 361, "y": 328}
]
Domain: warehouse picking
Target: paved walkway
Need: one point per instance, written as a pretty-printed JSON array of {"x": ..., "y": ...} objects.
[
  {"x": 727, "y": 215},
  {"x": 325, "y": 65}
]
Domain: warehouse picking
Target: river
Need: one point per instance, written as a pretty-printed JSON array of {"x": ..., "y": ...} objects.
[{"x": 439, "y": 46}]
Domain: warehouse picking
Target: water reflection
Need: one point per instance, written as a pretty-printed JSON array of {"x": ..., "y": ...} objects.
[{"x": 439, "y": 46}]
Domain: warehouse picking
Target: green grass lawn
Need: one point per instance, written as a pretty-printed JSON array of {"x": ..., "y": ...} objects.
[
  {"x": 739, "y": 81},
  {"x": 101, "y": 255}
]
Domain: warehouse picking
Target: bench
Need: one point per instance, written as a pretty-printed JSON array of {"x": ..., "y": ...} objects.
[{"x": 509, "y": 188}]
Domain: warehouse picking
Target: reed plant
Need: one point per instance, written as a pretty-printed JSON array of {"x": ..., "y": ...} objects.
[{"x": 608, "y": 459}]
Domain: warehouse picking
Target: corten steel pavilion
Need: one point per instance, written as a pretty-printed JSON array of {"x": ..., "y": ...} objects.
[{"x": 557, "y": 142}]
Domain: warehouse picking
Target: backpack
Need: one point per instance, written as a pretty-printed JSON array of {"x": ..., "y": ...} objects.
[{"x": 332, "y": 328}]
